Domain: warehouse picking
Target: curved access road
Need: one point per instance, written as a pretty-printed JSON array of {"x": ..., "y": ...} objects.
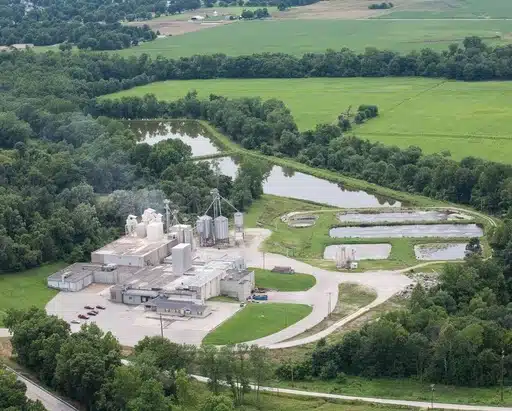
[
  {"x": 404, "y": 403},
  {"x": 322, "y": 297}
]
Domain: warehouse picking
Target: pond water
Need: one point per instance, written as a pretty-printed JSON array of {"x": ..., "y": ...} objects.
[
  {"x": 417, "y": 230},
  {"x": 362, "y": 251},
  {"x": 280, "y": 182},
  {"x": 445, "y": 252},
  {"x": 191, "y": 133},
  {"x": 391, "y": 217},
  {"x": 286, "y": 182}
]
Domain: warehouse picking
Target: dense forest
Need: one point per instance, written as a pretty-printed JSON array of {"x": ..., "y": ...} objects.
[
  {"x": 68, "y": 181},
  {"x": 269, "y": 126},
  {"x": 86, "y": 367},
  {"x": 89, "y": 25}
]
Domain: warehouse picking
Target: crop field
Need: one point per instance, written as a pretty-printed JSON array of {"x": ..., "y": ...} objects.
[
  {"x": 257, "y": 321},
  {"x": 467, "y": 119},
  {"x": 452, "y": 9},
  {"x": 297, "y": 37}
]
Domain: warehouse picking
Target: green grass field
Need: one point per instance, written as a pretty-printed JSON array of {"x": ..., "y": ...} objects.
[
  {"x": 26, "y": 288},
  {"x": 406, "y": 389},
  {"x": 304, "y": 36},
  {"x": 283, "y": 282},
  {"x": 257, "y": 321},
  {"x": 455, "y": 9},
  {"x": 467, "y": 119}
]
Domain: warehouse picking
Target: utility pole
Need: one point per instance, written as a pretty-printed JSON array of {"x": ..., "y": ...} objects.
[
  {"x": 502, "y": 372},
  {"x": 432, "y": 389},
  {"x": 161, "y": 326}
]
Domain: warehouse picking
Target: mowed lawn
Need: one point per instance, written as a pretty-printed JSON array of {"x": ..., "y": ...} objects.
[
  {"x": 256, "y": 321},
  {"x": 26, "y": 288},
  {"x": 304, "y": 36},
  {"x": 467, "y": 119},
  {"x": 283, "y": 282}
]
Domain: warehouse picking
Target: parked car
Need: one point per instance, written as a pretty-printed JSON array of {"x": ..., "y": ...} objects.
[
  {"x": 100, "y": 307},
  {"x": 83, "y": 316},
  {"x": 75, "y": 321},
  {"x": 92, "y": 313},
  {"x": 88, "y": 307}
]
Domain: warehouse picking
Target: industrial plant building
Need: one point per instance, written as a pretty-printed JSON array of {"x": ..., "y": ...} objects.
[{"x": 157, "y": 269}]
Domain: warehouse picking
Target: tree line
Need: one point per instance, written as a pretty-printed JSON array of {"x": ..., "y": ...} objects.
[
  {"x": 268, "y": 126},
  {"x": 86, "y": 366}
]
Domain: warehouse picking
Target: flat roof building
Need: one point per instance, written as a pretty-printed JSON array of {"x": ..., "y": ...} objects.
[
  {"x": 80, "y": 275},
  {"x": 134, "y": 251}
]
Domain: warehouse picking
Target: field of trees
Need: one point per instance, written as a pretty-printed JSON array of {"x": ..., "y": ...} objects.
[
  {"x": 307, "y": 36},
  {"x": 460, "y": 117}
]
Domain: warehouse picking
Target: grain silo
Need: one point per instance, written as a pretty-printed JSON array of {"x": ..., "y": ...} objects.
[{"x": 221, "y": 224}]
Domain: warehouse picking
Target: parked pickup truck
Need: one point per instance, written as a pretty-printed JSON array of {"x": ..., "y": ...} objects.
[
  {"x": 260, "y": 297},
  {"x": 283, "y": 270}
]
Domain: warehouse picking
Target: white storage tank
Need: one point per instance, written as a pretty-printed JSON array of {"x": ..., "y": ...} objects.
[
  {"x": 140, "y": 230},
  {"x": 155, "y": 231},
  {"x": 221, "y": 228},
  {"x": 239, "y": 219}
]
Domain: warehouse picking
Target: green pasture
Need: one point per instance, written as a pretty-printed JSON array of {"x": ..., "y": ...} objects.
[
  {"x": 283, "y": 282},
  {"x": 305, "y": 36},
  {"x": 256, "y": 321},
  {"x": 26, "y": 288},
  {"x": 454, "y": 9},
  {"x": 465, "y": 118}
]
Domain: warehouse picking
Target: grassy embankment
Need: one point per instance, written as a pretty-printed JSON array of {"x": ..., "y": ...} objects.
[
  {"x": 26, "y": 288},
  {"x": 283, "y": 282},
  {"x": 256, "y": 321},
  {"x": 425, "y": 120},
  {"x": 316, "y": 35}
]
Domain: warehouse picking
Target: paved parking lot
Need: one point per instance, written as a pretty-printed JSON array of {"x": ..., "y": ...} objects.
[{"x": 130, "y": 323}]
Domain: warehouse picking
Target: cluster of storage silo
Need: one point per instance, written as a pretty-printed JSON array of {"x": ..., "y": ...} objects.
[{"x": 212, "y": 230}]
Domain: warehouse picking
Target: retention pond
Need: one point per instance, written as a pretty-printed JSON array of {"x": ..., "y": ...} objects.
[
  {"x": 280, "y": 182},
  {"x": 191, "y": 133},
  {"x": 286, "y": 182},
  {"x": 397, "y": 217},
  {"x": 441, "y": 252},
  {"x": 416, "y": 231}
]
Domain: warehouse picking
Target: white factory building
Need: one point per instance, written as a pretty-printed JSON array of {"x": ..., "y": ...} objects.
[{"x": 157, "y": 269}]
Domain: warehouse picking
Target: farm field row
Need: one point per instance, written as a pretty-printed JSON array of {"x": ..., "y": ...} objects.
[
  {"x": 453, "y": 9},
  {"x": 304, "y": 36},
  {"x": 436, "y": 115}
]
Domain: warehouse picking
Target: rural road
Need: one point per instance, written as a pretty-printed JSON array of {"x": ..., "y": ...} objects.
[
  {"x": 36, "y": 392},
  {"x": 416, "y": 404}
]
